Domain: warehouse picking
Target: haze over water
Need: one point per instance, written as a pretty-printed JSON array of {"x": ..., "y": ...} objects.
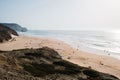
[{"x": 69, "y": 15}]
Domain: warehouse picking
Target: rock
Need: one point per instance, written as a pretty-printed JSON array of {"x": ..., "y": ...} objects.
[
  {"x": 44, "y": 64},
  {"x": 15, "y": 27},
  {"x": 5, "y": 33}
]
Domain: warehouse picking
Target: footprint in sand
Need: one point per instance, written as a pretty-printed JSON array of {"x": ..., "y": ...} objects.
[{"x": 101, "y": 63}]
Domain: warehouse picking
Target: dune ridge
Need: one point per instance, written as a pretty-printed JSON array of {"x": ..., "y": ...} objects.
[{"x": 97, "y": 62}]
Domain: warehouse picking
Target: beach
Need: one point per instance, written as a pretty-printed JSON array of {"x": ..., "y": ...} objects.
[{"x": 100, "y": 63}]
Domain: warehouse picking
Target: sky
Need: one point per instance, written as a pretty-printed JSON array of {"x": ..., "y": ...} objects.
[{"x": 62, "y": 14}]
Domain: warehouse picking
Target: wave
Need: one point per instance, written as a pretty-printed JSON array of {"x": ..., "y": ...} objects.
[{"x": 105, "y": 42}]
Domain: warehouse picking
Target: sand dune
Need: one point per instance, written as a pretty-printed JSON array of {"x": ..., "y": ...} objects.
[{"x": 98, "y": 62}]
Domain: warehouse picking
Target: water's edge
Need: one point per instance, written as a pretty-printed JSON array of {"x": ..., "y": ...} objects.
[{"x": 98, "y": 42}]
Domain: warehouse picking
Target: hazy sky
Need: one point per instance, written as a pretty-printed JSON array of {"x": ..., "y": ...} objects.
[{"x": 62, "y": 14}]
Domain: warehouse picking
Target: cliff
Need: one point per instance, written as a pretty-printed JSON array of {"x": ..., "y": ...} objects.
[
  {"x": 15, "y": 27},
  {"x": 5, "y": 33},
  {"x": 44, "y": 64}
]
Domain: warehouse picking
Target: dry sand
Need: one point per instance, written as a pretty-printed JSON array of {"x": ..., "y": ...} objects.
[{"x": 98, "y": 62}]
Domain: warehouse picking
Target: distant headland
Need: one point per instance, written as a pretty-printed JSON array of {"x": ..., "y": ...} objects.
[{"x": 15, "y": 27}]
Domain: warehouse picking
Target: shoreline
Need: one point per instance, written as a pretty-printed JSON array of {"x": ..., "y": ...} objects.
[
  {"x": 100, "y": 52},
  {"x": 82, "y": 47},
  {"x": 100, "y": 63}
]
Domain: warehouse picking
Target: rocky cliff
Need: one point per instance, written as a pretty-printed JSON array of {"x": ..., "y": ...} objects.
[
  {"x": 5, "y": 33},
  {"x": 44, "y": 64},
  {"x": 15, "y": 27}
]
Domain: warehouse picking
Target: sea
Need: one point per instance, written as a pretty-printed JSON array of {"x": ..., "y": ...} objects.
[{"x": 95, "y": 42}]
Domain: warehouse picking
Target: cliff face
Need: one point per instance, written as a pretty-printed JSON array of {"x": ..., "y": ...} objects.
[
  {"x": 44, "y": 64},
  {"x": 15, "y": 27},
  {"x": 5, "y": 33}
]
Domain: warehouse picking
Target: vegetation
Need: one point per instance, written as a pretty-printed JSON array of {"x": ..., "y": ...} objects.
[
  {"x": 5, "y": 33},
  {"x": 44, "y": 63}
]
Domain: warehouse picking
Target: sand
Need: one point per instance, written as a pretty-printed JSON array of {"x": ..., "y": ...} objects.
[{"x": 100, "y": 63}]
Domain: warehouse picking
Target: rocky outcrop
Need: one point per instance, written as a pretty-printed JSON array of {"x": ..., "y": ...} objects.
[
  {"x": 44, "y": 64},
  {"x": 15, "y": 27},
  {"x": 5, "y": 33}
]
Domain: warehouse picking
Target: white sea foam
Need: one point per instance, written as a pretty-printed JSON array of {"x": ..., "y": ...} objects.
[{"x": 105, "y": 43}]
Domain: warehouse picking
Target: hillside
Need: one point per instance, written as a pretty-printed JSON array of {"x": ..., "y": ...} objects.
[
  {"x": 5, "y": 33},
  {"x": 15, "y": 27},
  {"x": 43, "y": 64}
]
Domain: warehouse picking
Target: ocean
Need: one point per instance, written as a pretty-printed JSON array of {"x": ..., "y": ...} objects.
[{"x": 96, "y": 42}]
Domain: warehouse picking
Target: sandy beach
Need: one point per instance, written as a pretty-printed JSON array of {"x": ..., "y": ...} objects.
[{"x": 98, "y": 62}]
